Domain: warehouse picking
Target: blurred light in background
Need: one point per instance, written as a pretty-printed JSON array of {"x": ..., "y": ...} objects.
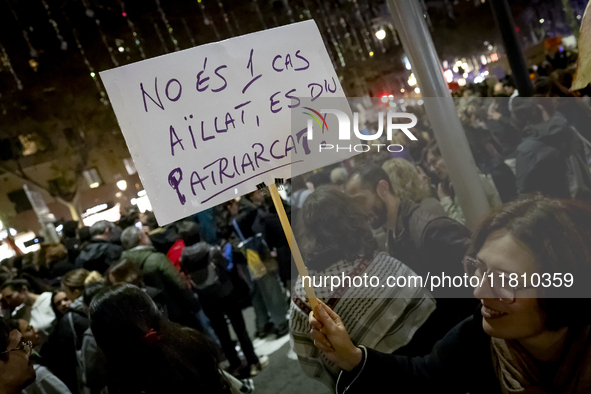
[
  {"x": 449, "y": 75},
  {"x": 406, "y": 63},
  {"x": 110, "y": 215}
]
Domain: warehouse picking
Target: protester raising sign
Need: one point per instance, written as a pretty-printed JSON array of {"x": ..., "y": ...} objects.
[{"x": 209, "y": 123}]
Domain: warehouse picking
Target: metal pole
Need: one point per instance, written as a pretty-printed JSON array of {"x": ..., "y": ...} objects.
[
  {"x": 506, "y": 26},
  {"x": 448, "y": 130}
]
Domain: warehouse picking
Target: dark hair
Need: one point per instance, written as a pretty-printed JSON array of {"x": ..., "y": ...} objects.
[
  {"x": 558, "y": 233},
  {"x": 177, "y": 359},
  {"x": 17, "y": 262},
  {"x": 13, "y": 324},
  {"x": 4, "y": 337},
  {"x": 70, "y": 229},
  {"x": 525, "y": 111},
  {"x": 370, "y": 175},
  {"x": 195, "y": 257},
  {"x": 189, "y": 232},
  {"x": 151, "y": 220},
  {"x": 74, "y": 280},
  {"x": 16, "y": 284},
  {"x": 84, "y": 233},
  {"x": 91, "y": 290},
  {"x": 332, "y": 227}
]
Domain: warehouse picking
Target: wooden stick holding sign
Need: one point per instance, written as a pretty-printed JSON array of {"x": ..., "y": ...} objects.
[{"x": 297, "y": 256}]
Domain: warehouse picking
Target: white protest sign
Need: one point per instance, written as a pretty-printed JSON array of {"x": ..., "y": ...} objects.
[{"x": 210, "y": 123}]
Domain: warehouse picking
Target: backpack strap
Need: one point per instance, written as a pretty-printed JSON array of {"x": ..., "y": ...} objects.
[{"x": 237, "y": 228}]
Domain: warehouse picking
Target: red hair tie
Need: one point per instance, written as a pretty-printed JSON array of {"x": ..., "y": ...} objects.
[{"x": 151, "y": 337}]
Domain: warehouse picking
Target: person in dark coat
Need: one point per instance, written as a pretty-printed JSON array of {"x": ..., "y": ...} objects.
[
  {"x": 58, "y": 261},
  {"x": 157, "y": 269},
  {"x": 268, "y": 298},
  {"x": 524, "y": 339},
  {"x": 210, "y": 278},
  {"x": 70, "y": 240},
  {"x": 59, "y": 352},
  {"x": 551, "y": 159},
  {"x": 101, "y": 252}
]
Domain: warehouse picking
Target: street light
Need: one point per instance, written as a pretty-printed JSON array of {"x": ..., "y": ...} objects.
[
  {"x": 412, "y": 81},
  {"x": 381, "y": 34},
  {"x": 122, "y": 185}
]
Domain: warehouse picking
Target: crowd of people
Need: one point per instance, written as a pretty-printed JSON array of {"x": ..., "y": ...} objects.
[
  {"x": 134, "y": 307},
  {"x": 116, "y": 295}
]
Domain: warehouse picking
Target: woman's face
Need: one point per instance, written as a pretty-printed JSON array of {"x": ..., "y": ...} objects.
[
  {"x": 61, "y": 302},
  {"x": 524, "y": 318},
  {"x": 71, "y": 295},
  {"x": 437, "y": 166},
  {"x": 424, "y": 179}
]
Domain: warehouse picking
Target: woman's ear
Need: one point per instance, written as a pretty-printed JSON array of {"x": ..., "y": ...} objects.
[{"x": 383, "y": 189}]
